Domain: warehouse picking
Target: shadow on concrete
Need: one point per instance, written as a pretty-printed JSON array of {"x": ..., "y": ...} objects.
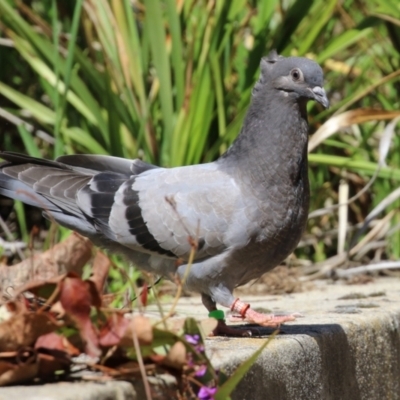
[{"x": 338, "y": 363}]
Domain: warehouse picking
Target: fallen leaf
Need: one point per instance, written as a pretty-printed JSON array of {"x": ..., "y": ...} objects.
[
  {"x": 23, "y": 329},
  {"x": 142, "y": 328},
  {"x": 176, "y": 357},
  {"x": 345, "y": 119},
  {"x": 101, "y": 267},
  {"x": 208, "y": 325},
  {"x": 40, "y": 288},
  {"x": 54, "y": 341},
  {"x": 77, "y": 297},
  {"x": 113, "y": 330},
  {"x": 17, "y": 373},
  {"x": 69, "y": 255}
]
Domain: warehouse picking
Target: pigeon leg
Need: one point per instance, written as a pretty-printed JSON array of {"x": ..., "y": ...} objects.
[
  {"x": 249, "y": 315},
  {"x": 222, "y": 329}
]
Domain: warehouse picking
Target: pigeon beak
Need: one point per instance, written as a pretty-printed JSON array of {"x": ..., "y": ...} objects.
[{"x": 320, "y": 96}]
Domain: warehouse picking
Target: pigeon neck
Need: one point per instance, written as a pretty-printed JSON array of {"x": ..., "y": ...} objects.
[{"x": 273, "y": 141}]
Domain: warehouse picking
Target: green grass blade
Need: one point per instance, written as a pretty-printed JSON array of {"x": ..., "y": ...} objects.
[
  {"x": 176, "y": 51},
  {"x": 314, "y": 29},
  {"x": 38, "y": 110},
  {"x": 58, "y": 148},
  {"x": 29, "y": 143},
  {"x": 157, "y": 39},
  {"x": 345, "y": 40},
  {"x": 229, "y": 386},
  {"x": 292, "y": 19},
  {"x": 366, "y": 167},
  {"x": 58, "y": 145}
]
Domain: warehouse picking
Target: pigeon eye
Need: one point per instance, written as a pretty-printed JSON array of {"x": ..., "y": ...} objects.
[{"x": 296, "y": 74}]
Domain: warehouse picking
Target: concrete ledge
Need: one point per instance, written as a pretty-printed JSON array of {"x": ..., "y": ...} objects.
[
  {"x": 71, "y": 391},
  {"x": 342, "y": 349},
  {"x": 346, "y": 347}
]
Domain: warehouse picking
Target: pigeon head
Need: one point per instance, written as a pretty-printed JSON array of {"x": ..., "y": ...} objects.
[{"x": 296, "y": 77}]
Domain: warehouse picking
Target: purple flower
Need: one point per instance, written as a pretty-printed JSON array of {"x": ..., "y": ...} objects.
[
  {"x": 201, "y": 371},
  {"x": 192, "y": 339},
  {"x": 190, "y": 361},
  {"x": 199, "y": 348},
  {"x": 206, "y": 393}
]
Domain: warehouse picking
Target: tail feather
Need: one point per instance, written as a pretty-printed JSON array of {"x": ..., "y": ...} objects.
[
  {"x": 17, "y": 190},
  {"x": 78, "y": 191}
]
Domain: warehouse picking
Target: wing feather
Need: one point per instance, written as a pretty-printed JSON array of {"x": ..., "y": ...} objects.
[{"x": 192, "y": 201}]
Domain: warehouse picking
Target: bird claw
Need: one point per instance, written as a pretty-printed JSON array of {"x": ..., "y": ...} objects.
[
  {"x": 249, "y": 315},
  {"x": 225, "y": 330}
]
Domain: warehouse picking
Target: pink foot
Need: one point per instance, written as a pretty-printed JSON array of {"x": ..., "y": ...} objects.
[{"x": 249, "y": 315}]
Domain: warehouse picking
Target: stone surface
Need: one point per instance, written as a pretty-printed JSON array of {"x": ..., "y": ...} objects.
[
  {"x": 347, "y": 346},
  {"x": 342, "y": 348},
  {"x": 71, "y": 391}
]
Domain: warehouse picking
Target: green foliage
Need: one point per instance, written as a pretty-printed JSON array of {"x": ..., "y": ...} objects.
[{"x": 170, "y": 81}]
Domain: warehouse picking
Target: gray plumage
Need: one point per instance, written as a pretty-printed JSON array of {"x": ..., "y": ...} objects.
[{"x": 248, "y": 209}]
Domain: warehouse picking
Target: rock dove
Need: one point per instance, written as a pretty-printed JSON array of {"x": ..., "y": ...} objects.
[{"x": 246, "y": 211}]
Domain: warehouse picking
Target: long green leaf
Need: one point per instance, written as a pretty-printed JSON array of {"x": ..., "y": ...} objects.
[
  {"x": 158, "y": 44},
  {"x": 38, "y": 110},
  {"x": 58, "y": 149},
  {"x": 229, "y": 386},
  {"x": 366, "y": 167}
]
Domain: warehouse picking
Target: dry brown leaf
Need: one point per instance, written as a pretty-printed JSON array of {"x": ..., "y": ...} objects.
[
  {"x": 69, "y": 255},
  {"x": 77, "y": 297},
  {"x": 17, "y": 373},
  {"x": 40, "y": 288},
  {"x": 114, "y": 330},
  {"x": 348, "y": 118},
  {"x": 23, "y": 329},
  {"x": 142, "y": 328},
  {"x": 15, "y": 307},
  {"x": 53, "y": 341},
  {"x": 54, "y": 353},
  {"x": 208, "y": 325},
  {"x": 101, "y": 267},
  {"x": 176, "y": 357}
]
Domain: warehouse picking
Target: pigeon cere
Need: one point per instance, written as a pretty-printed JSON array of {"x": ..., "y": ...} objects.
[{"x": 243, "y": 213}]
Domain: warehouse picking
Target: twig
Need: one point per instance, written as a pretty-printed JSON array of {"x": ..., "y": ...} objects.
[
  {"x": 369, "y": 247},
  {"x": 29, "y": 127},
  {"x": 141, "y": 365},
  {"x": 330, "y": 209},
  {"x": 343, "y": 273},
  {"x": 324, "y": 268},
  {"x": 180, "y": 287},
  {"x": 158, "y": 303},
  {"x": 391, "y": 198},
  {"x": 13, "y": 246},
  {"x": 194, "y": 245},
  {"x": 343, "y": 215},
  {"x": 375, "y": 231}
]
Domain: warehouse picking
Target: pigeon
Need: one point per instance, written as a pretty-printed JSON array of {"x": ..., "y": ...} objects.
[{"x": 245, "y": 212}]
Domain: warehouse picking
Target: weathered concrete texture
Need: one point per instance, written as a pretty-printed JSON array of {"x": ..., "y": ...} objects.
[
  {"x": 347, "y": 347},
  {"x": 353, "y": 354},
  {"x": 71, "y": 391}
]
